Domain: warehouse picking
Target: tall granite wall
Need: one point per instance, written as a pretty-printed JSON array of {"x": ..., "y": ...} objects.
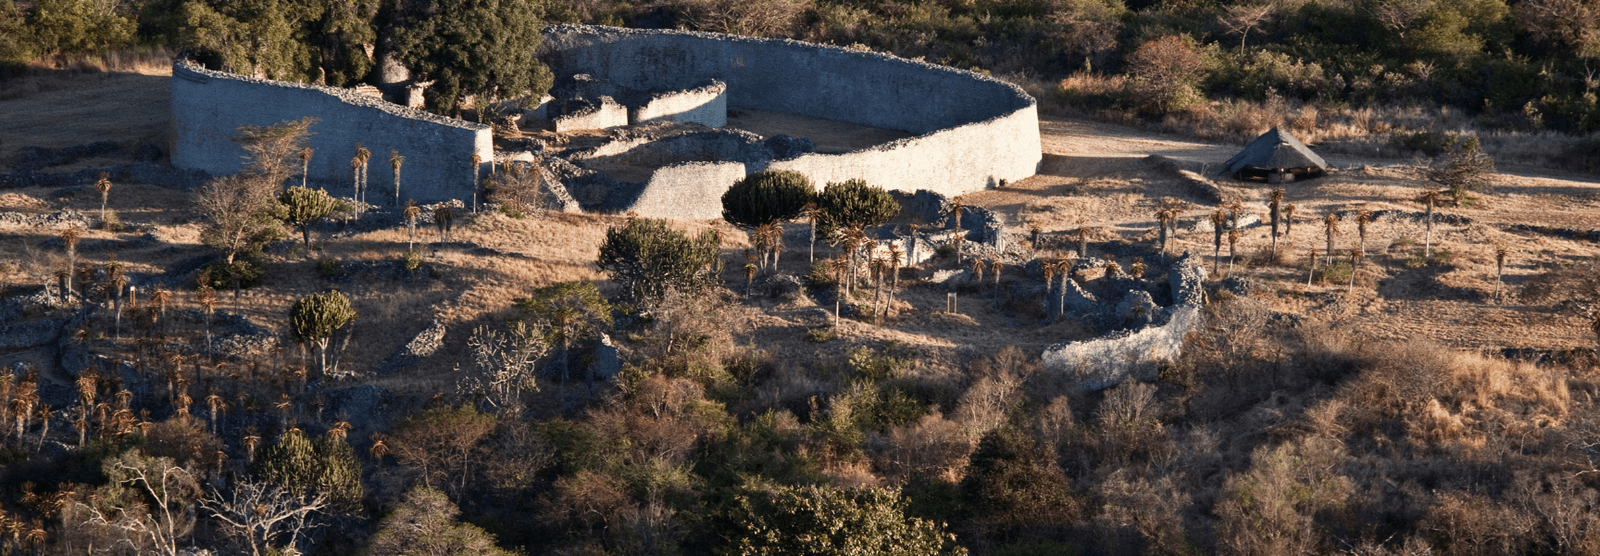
[
  {"x": 208, "y": 107},
  {"x": 975, "y": 131}
]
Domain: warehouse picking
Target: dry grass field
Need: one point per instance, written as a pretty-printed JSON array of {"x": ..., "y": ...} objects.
[{"x": 1094, "y": 174}]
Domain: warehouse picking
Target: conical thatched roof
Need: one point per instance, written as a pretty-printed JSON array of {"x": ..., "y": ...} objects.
[{"x": 1276, "y": 151}]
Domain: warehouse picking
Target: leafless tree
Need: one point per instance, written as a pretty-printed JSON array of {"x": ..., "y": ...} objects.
[
  {"x": 260, "y": 515},
  {"x": 1242, "y": 18},
  {"x": 503, "y": 365},
  {"x": 165, "y": 514}
]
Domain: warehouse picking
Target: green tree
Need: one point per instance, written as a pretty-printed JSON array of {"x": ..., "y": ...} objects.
[
  {"x": 482, "y": 48},
  {"x": 1465, "y": 167},
  {"x": 295, "y": 40},
  {"x": 326, "y": 467},
  {"x": 573, "y": 310},
  {"x": 69, "y": 28},
  {"x": 315, "y": 317},
  {"x": 854, "y": 205},
  {"x": 825, "y": 520},
  {"x": 1012, "y": 483},
  {"x": 304, "y": 207},
  {"x": 762, "y": 200},
  {"x": 647, "y": 257},
  {"x": 425, "y": 523}
]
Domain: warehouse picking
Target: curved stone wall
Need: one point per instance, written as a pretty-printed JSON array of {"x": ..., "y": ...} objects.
[
  {"x": 976, "y": 131},
  {"x": 208, "y": 107}
]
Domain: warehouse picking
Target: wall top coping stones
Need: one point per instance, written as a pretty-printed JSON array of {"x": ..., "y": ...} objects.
[{"x": 190, "y": 71}]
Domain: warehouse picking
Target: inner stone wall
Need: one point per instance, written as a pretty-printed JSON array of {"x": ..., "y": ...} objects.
[
  {"x": 208, "y": 107},
  {"x": 976, "y": 131}
]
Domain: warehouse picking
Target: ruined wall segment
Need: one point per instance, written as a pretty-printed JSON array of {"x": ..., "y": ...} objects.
[
  {"x": 1104, "y": 362},
  {"x": 976, "y": 131},
  {"x": 208, "y": 107},
  {"x": 679, "y": 191},
  {"x": 706, "y": 105}
]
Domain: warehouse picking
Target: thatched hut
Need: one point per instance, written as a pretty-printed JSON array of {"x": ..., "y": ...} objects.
[{"x": 1277, "y": 157}]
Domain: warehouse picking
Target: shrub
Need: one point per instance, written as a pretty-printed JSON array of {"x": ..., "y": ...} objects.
[
  {"x": 766, "y": 197},
  {"x": 242, "y": 273},
  {"x": 820, "y": 334},
  {"x": 825, "y": 520},
  {"x": 647, "y": 257},
  {"x": 329, "y": 267},
  {"x": 854, "y": 205},
  {"x": 413, "y": 260}
]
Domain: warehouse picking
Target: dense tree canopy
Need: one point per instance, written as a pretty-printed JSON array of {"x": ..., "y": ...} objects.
[{"x": 482, "y": 48}]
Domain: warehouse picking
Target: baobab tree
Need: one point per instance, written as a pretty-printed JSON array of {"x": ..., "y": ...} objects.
[{"x": 956, "y": 207}]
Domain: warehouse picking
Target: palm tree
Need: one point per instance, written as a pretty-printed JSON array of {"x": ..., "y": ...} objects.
[
  {"x": 977, "y": 270},
  {"x": 1049, "y": 280},
  {"x": 1355, "y": 262},
  {"x": 911, "y": 245},
  {"x": 1429, "y": 199},
  {"x": 69, "y": 238},
  {"x": 1276, "y": 214},
  {"x": 1064, "y": 268},
  {"x": 1233, "y": 244},
  {"x": 812, "y": 212},
  {"x": 1330, "y": 224},
  {"x": 411, "y": 213},
  {"x": 103, "y": 185},
  {"x": 1499, "y": 271},
  {"x": 476, "y": 162},
  {"x": 994, "y": 268},
  {"x": 956, "y": 206},
  {"x": 395, "y": 160},
  {"x": 1218, "y": 219},
  {"x": 1288, "y": 219},
  {"x": 1363, "y": 217},
  {"x": 749, "y": 278},
  {"x": 1164, "y": 219},
  {"x": 305, "y": 164},
  {"x": 1313, "y": 270},
  {"x": 1083, "y": 242},
  {"x": 363, "y": 155}
]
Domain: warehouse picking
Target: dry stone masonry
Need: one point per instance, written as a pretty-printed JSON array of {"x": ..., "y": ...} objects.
[
  {"x": 975, "y": 132},
  {"x": 208, "y": 107}
]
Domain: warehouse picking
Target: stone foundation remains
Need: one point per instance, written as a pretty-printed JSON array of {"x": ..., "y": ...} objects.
[
  {"x": 1103, "y": 362},
  {"x": 208, "y": 107}
]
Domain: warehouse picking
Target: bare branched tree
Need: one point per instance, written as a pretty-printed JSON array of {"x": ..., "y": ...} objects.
[
  {"x": 503, "y": 365},
  {"x": 264, "y": 517}
]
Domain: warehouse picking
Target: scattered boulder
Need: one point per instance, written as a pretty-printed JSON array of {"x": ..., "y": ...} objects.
[{"x": 606, "y": 361}]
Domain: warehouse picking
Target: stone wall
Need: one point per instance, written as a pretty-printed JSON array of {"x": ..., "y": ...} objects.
[
  {"x": 1103, "y": 362},
  {"x": 208, "y": 107},
  {"x": 681, "y": 191},
  {"x": 976, "y": 132},
  {"x": 706, "y": 105},
  {"x": 606, "y": 114}
]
